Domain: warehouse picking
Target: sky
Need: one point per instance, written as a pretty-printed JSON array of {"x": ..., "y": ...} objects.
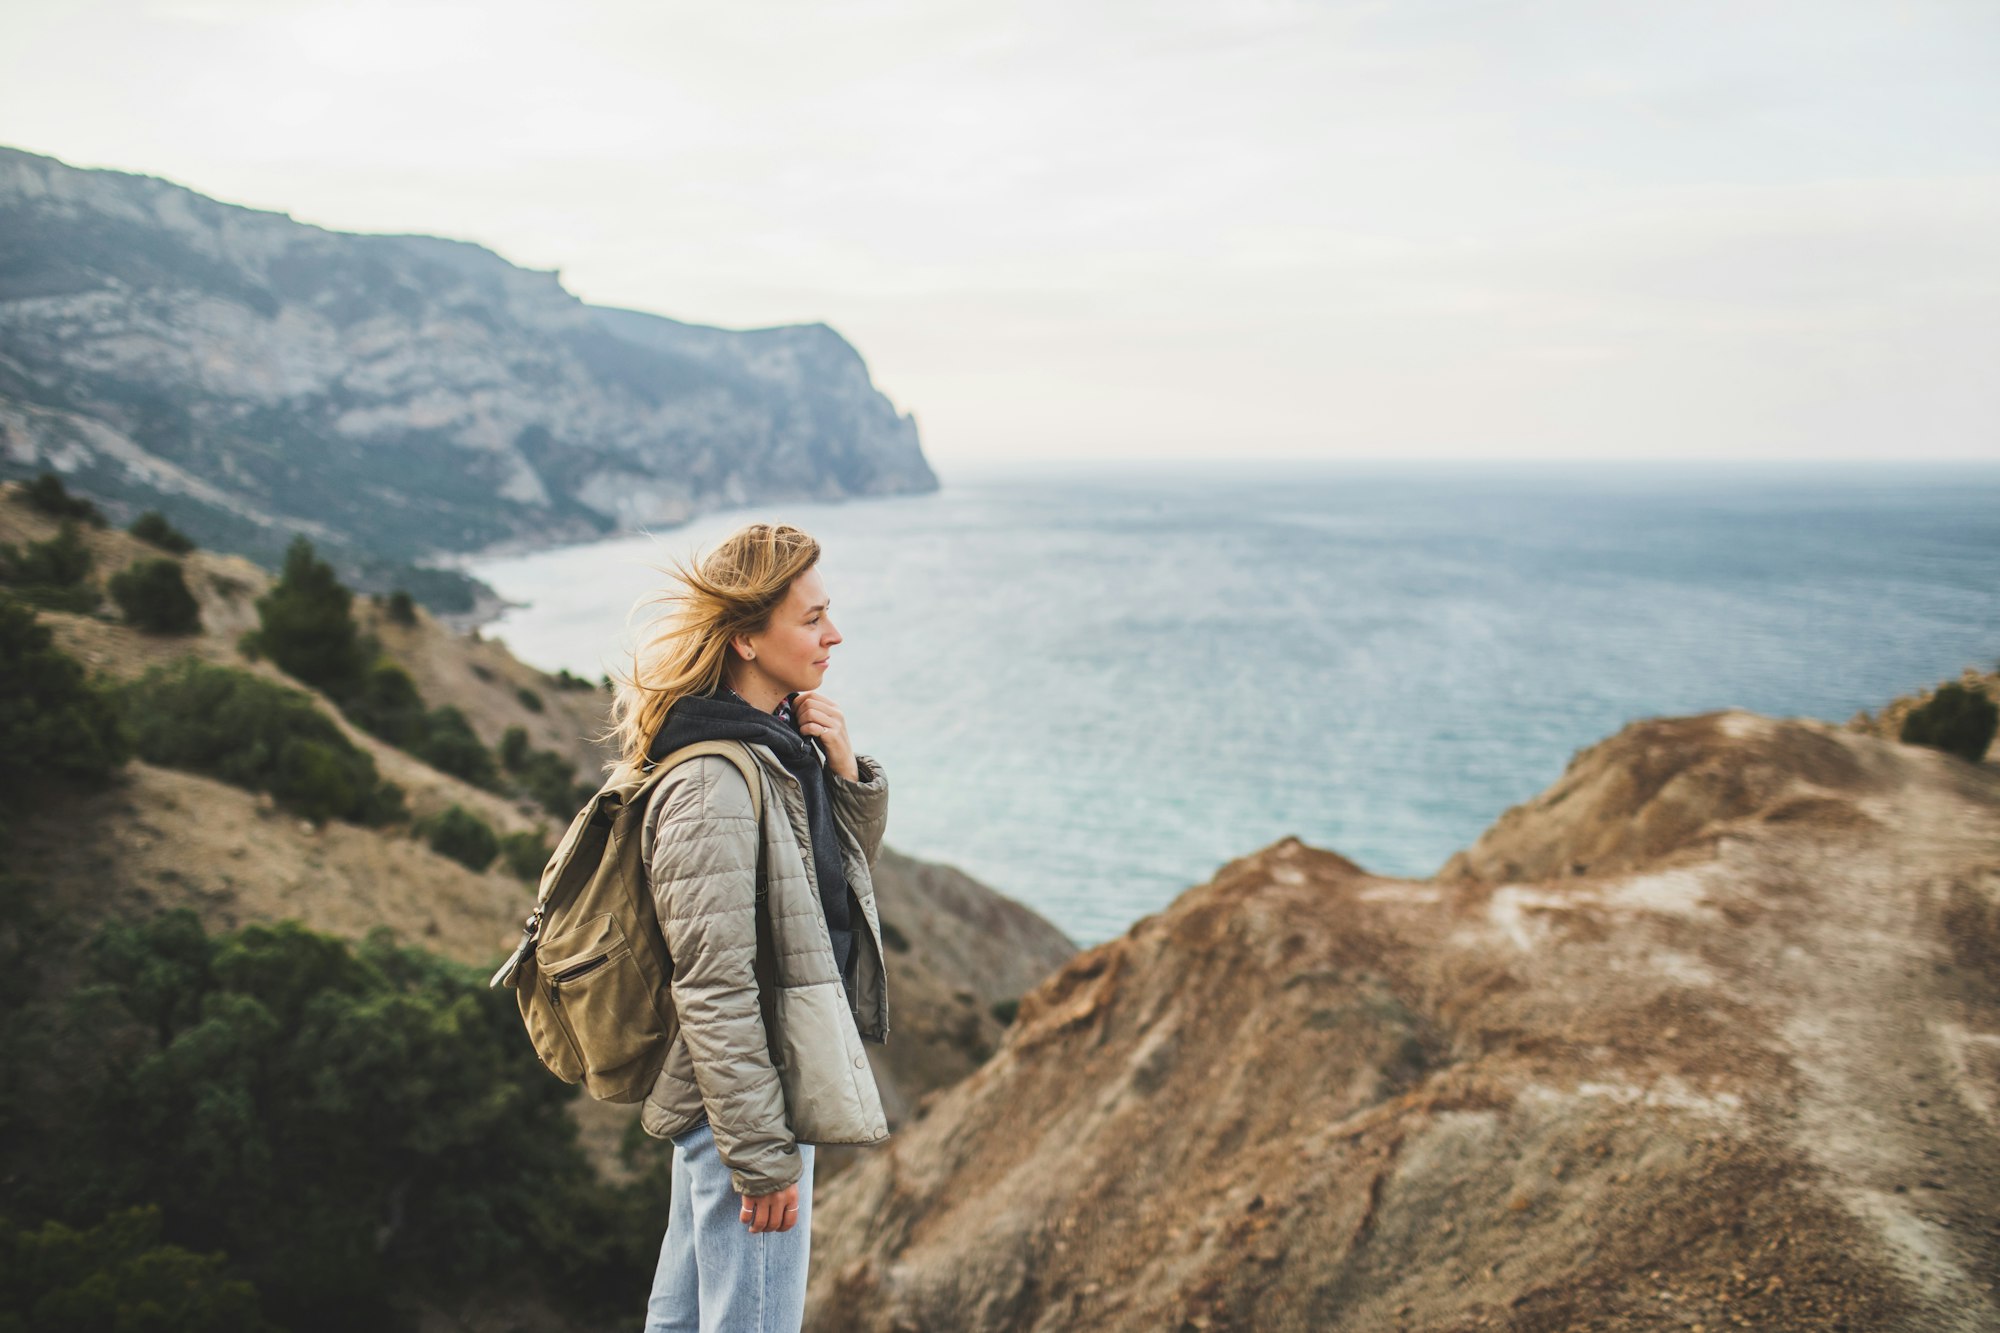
[{"x": 1575, "y": 229}]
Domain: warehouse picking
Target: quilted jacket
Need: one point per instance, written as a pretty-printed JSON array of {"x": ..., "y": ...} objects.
[{"x": 701, "y": 854}]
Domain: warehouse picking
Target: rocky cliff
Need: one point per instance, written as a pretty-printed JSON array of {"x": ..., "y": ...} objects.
[
  {"x": 394, "y": 397},
  {"x": 1706, "y": 1036}
]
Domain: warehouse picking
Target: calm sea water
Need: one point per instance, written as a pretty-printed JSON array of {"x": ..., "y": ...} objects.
[{"x": 1092, "y": 686}]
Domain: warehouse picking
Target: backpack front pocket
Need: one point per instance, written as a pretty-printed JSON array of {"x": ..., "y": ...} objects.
[{"x": 600, "y": 997}]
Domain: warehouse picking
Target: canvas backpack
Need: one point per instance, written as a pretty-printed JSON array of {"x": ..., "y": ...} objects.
[{"x": 592, "y": 972}]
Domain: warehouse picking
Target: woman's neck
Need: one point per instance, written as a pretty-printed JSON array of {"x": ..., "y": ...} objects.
[{"x": 761, "y": 694}]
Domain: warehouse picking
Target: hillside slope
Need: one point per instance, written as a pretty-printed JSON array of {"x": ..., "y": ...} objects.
[
  {"x": 1706, "y": 1036},
  {"x": 160, "y": 838}
]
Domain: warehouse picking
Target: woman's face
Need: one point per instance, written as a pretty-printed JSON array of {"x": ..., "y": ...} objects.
[{"x": 794, "y": 651}]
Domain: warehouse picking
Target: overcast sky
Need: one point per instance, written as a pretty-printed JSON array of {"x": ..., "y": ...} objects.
[{"x": 1576, "y": 228}]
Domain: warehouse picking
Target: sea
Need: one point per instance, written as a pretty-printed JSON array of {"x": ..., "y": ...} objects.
[{"x": 1092, "y": 684}]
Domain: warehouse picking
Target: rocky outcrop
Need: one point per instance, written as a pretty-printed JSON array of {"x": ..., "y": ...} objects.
[
  {"x": 1705, "y": 1036},
  {"x": 960, "y": 956},
  {"x": 395, "y": 397}
]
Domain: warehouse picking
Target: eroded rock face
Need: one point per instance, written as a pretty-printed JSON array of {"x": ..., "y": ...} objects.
[
  {"x": 405, "y": 394},
  {"x": 1741, "y": 1069},
  {"x": 956, "y": 950}
]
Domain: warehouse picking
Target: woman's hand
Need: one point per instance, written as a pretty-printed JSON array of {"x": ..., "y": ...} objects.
[
  {"x": 820, "y": 718},
  {"x": 771, "y": 1212}
]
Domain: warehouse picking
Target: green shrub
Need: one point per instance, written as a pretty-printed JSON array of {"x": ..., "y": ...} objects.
[
  {"x": 119, "y": 1278},
  {"x": 1006, "y": 1011},
  {"x": 463, "y": 836},
  {"x": 526, "y": 855},
  {"x": 565, "y": 681},
  {"x": 306, "y": 625},
  {"x": 893, "y": 939},
  {"x": 388, "y": 705},
  {"x": 543, "y": 775},
  {"x": 55, "y": 573},
  {"x": 1957, "y": 719},
  {"x": 56, "y": 728},
  {"x": 155, "y": 597},
  {"x": 451, "y": 746},
  {"x": 363, "y": 1130},
  {"x": 529, "y": 699},
  {"x": 48, "y": 494},
  {"x": 256, "y": 734},
  {"x": 401, "y": 609},
  {"x": 550, "y": 781},
  {"x": 152, "y": 526}
]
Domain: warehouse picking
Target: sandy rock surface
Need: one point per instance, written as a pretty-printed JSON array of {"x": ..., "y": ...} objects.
[{"x": 1707, "y": 1036}]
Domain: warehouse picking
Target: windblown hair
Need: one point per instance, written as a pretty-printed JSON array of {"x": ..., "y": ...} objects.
[{"x": 733, "y": 590}]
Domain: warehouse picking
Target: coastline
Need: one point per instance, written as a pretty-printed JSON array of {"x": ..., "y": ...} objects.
[{"x": 488, "y": 605}]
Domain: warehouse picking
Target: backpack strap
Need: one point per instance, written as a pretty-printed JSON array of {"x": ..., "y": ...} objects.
[
  {"x": 766, "y": 966},
  {"x": 734, "y": 751}
]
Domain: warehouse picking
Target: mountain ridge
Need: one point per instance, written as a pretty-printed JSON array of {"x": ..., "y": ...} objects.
[{"x": 400, "y": 398}]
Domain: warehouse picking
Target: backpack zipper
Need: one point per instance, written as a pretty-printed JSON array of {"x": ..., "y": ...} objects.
[{"x": 572, "y": 973}]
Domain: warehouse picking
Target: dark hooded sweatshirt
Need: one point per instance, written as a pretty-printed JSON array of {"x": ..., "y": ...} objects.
[{"x": 726, "y": 715}]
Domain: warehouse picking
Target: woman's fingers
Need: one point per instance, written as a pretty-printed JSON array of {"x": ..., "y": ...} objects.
[
  {"x": 819, "y": 716},
  {"x": 812, "y": 703},
  {"x": 772, "y": 1212}
]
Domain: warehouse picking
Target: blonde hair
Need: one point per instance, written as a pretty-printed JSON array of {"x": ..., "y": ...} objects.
[{"x": 733, "y": 590}]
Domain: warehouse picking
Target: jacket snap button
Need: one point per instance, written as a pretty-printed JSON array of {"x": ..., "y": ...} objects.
[{"x": 860, "y": 1060}]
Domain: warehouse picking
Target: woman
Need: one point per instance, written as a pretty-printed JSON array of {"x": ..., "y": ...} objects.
[{"x": 744, "y": 1100}]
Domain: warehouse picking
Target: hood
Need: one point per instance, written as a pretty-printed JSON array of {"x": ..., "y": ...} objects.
[{"x": 722, "y": 717}]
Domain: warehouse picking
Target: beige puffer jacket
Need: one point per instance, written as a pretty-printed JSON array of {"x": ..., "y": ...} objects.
[{"x": 701, "y": 851}]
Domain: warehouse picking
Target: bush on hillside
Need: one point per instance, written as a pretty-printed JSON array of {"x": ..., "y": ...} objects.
[
  {"x": 1957, "y": 719},
  {"x": 451, "y": 746},
  {"x": 363, "y": 1130},
  {"x": 401, "y": 608},
  {"x": 526, "y": 855},
  {"x": 48, "y": 494},
  {"x": 56, "y": 728},
  {"x": 306, "y": 624},
  {"x": 118, "y": 1277},
  {"x": 461, "y": 835},
  {"x": 308, "y": 630},
  {"x": 256, "y": 734},
  {"x": 55, "y": 573},
  {"x": 550, "y": 780},
  {"x": 388, "y": 705},
  {"x": 152, "y": 527},
  {"x": 155, "y": 597},
  {"x": 543, "y": 775},
  {"x": 565, "y": 681},
  {"x": 529, "y": 699}
]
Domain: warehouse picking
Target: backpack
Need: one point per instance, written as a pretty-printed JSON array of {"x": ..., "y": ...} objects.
[{"x": 592, "y": 972}]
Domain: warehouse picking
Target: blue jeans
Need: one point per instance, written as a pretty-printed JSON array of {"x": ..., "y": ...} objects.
[{"x": 714, "y": 1275}]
